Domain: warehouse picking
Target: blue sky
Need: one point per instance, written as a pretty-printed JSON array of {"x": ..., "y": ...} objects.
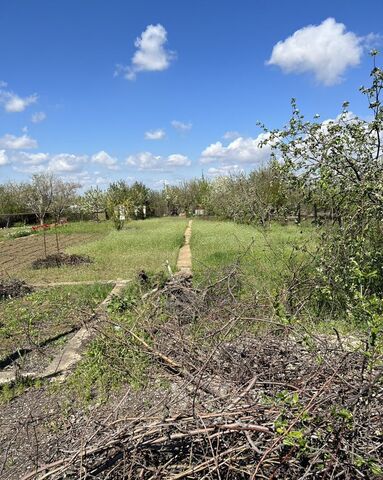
[{"x": 158, "y": 91}]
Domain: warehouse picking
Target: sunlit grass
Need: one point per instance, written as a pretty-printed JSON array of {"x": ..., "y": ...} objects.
[
  {"x": 264, "y": 254},
  {"x": 141, "y": 245}
]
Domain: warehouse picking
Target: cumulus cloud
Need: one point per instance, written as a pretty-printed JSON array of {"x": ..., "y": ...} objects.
[
  {"x": 178, "y": 160},
  {"x": 231, "y": 135},
  {"x": 103, "y": 158},
  {"x": 326, "y": 50},
  {"x": 158, "y": 134},
  {"x": 224, "y": 171},
  {"x": 11, "y": 142},
  {"x": 241, "y": 150},
  {"x": 14, "y": 103},
  {"x": 181, "y": 126},
  {"x": 66, "y": 162},
  {"x": 30, "y": 159},
  {"x": 144, "y": 161},
  {"x": 62, "y": 163},
  {"x": 38, "y": 117},
  {"x": 148, "y": 161},
  {"x": 151, "y": 54},
  {"x": 3, "y": 158}
]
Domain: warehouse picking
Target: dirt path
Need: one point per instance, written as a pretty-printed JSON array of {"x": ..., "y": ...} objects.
[
  {"x": 184, "y": 262},
  {"x": 71, "y": 353}
]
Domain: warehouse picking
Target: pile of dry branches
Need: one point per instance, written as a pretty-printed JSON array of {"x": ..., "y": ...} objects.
[
  {"x": 247, "y": 398},
  {"x": 59, "y": 260},
  {"x": 12, "y": 288}
]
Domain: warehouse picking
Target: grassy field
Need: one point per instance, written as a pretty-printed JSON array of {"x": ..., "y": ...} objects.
[
  {"x": 265, "y": 254},
  {"x": 31, "y": 320},
  {"x": 140, "y": 245}
]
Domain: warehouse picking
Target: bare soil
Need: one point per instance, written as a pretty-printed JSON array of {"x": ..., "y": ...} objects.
[
  {"x": 56, "y": 260},
  {"x": 18, "y": 254}
]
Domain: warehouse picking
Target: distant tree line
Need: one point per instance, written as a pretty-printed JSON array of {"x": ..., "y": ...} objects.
[{"x": 256, "y": 197}]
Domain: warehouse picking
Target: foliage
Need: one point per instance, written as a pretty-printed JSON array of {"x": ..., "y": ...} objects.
[
  {"x": 341, "y": 161},
  {"x": 93, "y": 201},
  {"x": 47, "y": 193},
  {"x": 10, "y": 201}
]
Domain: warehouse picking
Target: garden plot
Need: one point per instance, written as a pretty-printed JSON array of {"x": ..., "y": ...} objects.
[
  {"x": 18, "y": 254},
  {"x": 147, "y": 245}
]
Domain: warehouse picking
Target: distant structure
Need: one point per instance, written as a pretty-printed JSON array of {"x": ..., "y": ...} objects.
[{"x": 199, "y": 211}]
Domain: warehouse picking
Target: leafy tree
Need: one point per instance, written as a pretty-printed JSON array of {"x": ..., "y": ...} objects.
[
  {"x": 118, "y": 192},
  {"x": 341, "y": 160},
  {"x": 38, "y": 195},
  {"x": 64, "y": 195},
  {"x": 94, "y": 201},
  {"x": 10, "y": 201}
]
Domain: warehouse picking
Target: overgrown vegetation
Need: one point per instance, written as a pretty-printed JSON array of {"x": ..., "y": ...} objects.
[
  {"x": 268, "y": 364},
  {"x": 27, "y": 322},
  {"x": 274, "y": 401}
]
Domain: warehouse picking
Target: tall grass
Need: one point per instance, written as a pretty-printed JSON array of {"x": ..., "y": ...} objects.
[{"x": 264, "y": 254}]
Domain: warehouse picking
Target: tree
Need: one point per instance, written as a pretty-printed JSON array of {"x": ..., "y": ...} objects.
[
  {"x": 341, "y": 161},
  {"x": 94, "y": 201},
  {"x": 118, "y": 192},
  {"x": 10, "y": 201},
  {"x": 38, "y": 195},
  {"x": 48, "y": 194},
  {"x": 64, "y": 195}
]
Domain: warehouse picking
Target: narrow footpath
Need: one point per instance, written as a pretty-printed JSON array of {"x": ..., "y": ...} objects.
[{"x": 184, "y": 262}]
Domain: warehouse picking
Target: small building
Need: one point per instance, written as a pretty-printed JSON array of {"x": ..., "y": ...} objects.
[{"x": 199, "y": 211}]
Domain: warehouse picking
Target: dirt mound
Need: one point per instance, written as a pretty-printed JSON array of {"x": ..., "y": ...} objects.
[
  {"x": 11, "y": 288},
  {"x": 60, "y": 260}
]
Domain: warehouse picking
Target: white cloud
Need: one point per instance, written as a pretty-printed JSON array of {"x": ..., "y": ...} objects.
[
  {"x": 66, "y": 162},
  {"x": 181, "y": 126},
  {"x": 240, "y": 150},
  {"x": 151, "y": 54},
  {"x": 144, "y": 160},
  {"x": 103, "y": 158},
  {"x": 3, "y": 158},
  {"x": 158, "y": 134},
  {"x": 30, "y": 158},
  {"x": 38, "y": 117},
  {"x": 224, "y": 171},
  {"x": 326, "y": 50},
  {"x": 13, "y": 103},
  {"x": 148, "y": 161},
  {"x": 231, "y": 135},
  {"x": 11, "y": 142},
  {"x": 178, "y": 160},
  {"x": 62, "y": 163}
]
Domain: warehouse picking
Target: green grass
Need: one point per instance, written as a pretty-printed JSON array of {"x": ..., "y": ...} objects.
[
  {"x": 113, "y": 358},
  {"x": 265, "y": 254},
  {"x": 87, "y": 227},
  {"x": 143, "y": 244},
  {"x": 45, "y": 314}
]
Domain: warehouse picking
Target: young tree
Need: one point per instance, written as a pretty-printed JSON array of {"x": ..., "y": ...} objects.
[
  {"x": 64, "y": 195},
  {"x": 94, "y": 201},
  {"x": 38, "y": 195}
]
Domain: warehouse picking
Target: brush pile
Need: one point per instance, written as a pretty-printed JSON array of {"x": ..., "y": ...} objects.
[
  {"x": 246, "y": 398},
  {"x": 59, "y": 260},
  {"x": 12, "y": 288}
]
